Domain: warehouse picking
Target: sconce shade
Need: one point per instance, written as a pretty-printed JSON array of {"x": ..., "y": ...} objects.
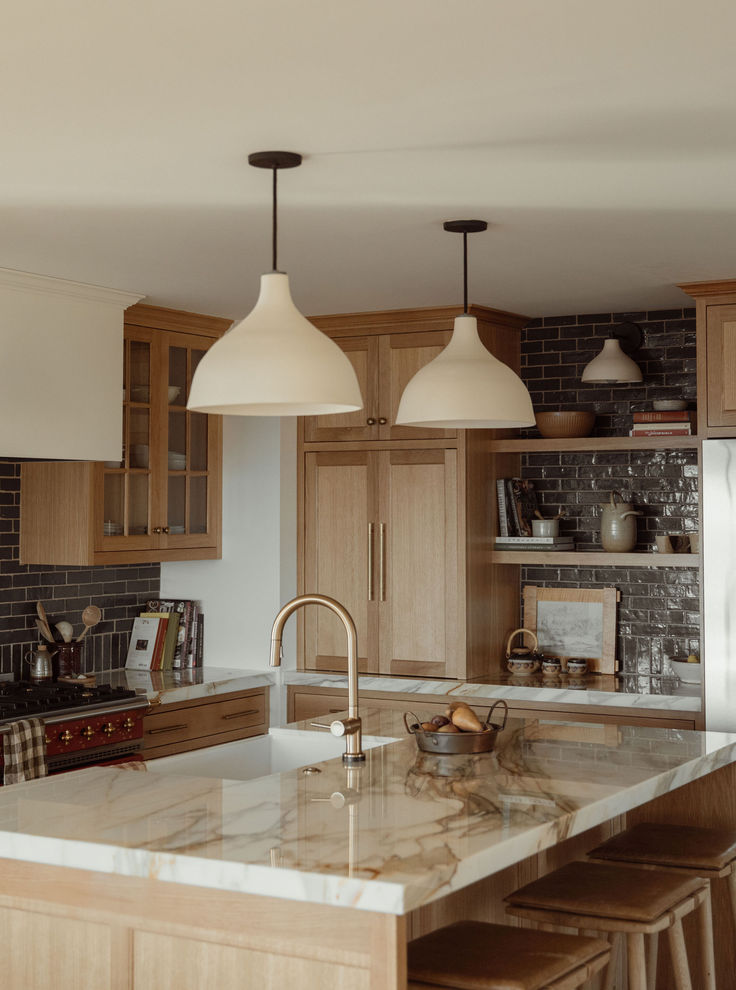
[
  {"x": 612, "y": 365},
  {"x": 274, "y": 363},
  {"x": 465, "y": 387}
]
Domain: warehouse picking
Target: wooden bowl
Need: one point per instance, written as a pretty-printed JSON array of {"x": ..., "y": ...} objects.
[{"x": 565, "y": 423}]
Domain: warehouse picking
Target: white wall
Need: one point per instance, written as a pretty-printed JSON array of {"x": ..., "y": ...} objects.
[{"x": 242, "y": 593}]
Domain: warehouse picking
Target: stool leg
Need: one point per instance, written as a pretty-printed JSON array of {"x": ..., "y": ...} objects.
[
  {"x": 705, "y": 924},
  {"x": 653, "y": 951},
  {"x": 610, "y": 981},
  {"x": 637, "y": 962},
  {"x": 680, "y": 968}
]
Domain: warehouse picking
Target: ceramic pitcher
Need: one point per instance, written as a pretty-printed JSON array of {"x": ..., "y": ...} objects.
[{"x": 618, "y": 525}]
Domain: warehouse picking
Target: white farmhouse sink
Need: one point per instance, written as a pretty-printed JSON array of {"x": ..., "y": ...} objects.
[{"x": 279, "y": 750}]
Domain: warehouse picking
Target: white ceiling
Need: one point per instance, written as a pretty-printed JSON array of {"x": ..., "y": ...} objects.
[{"x": 598, "y": 140}]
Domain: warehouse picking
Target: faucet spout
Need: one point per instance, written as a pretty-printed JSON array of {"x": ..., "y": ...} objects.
[{"x": 351, "y": 727}]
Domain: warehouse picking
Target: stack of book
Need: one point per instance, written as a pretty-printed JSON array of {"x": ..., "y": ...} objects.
[
  {"x": 534, "y": 543},
  {"x": 663, "y": 423},
  {"x": 167, "y": 635}
]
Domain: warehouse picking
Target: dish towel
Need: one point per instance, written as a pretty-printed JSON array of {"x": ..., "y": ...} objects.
[{"x": 24, "y": 751}]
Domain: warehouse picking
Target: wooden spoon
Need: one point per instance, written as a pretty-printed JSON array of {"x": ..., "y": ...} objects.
[
  {"x": 44, "y": 630},
  {"x": 41, "y": 612},
  {"x": 90, "y": 617},
  {"x": 66, "y": 630}
]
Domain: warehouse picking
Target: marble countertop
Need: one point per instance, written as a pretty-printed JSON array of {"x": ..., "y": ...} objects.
[
  {"x": 594, "y": 689},
  {"x": 168, "y": 687},
  {"x": 400, "y": 832}
]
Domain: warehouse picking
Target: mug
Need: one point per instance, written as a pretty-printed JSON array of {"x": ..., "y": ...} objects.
[{"x": 545, "y": 527}]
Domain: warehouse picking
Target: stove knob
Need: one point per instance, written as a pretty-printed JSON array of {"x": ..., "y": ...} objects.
[
  {"x": 65, "y": 736},
  {"x": 129, "y": 724},
  {"x": 87, "y": 732},
  {"x": 46, "y": 740},
  {"x": 108, "y": 728}
]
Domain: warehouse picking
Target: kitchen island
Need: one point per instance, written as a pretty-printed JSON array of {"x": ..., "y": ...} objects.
[{"x": 120, "y": 879}]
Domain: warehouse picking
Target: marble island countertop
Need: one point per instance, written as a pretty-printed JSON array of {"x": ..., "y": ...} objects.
[{"x": 400, "y": 832}]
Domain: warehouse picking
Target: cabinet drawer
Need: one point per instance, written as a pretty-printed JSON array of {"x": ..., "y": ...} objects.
[
  {"x": 181, "y": 724},
  {"x": 306, "y": 706}
]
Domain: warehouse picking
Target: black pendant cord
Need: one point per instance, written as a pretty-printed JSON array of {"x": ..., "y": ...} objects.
[
  {"x": 275, "y": 225},
  {"x": 465, "y": 272}
]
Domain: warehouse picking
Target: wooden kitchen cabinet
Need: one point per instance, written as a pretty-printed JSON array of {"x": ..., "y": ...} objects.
[
  {"x": 179, "y": 728},
  {"x": 162, "y": 501},
  {"x": 381, "y": 536},
  {"x": 716, "y": 355},
  {"x": 384, "y": 365}
]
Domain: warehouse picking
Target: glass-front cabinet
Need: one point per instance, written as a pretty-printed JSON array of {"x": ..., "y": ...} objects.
[{"x": 165, "y": 492}]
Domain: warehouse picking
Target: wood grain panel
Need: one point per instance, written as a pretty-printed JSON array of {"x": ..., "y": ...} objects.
[
  {"x": 721, "y": 364},
  {"x": 211, "y": 719},
  {"x": 402, "y": 355},
  {"x": 340, "y": 502},
  {"x": 363, "y": 355},
  {"x": 163, "y": 961}
]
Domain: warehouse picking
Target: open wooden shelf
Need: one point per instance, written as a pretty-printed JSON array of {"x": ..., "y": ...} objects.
[
  {"x": 594, "y": 558},
  {"x": 524, "y": 445}
]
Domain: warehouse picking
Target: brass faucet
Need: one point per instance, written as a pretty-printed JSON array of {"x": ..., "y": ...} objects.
[{"x": 350, "y": 727}]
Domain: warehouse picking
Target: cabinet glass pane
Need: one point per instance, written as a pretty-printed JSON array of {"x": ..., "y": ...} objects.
[
  {"x": 177, "y": 504},
  {"x": 138, "y": 489},
  {"x": 114, "y": 510},
  {"x": 197, "y": 442},
  {"x": 177, "y": 394},
  {"x": 139, "y": 432},
  {"x": 177, "y": 441},
  {"x": 140, "y": 371},
  {"x": 198, "y": 505}
]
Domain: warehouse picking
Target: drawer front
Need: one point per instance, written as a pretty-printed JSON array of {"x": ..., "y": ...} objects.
[
  {"x": 313, "y": 705},
  {"x": 182, "y": 725}
]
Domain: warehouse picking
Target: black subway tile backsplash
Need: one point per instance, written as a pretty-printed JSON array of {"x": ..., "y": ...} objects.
[
  {"x": 659, "y": 613},
  {"x": 118, "y": 589}
]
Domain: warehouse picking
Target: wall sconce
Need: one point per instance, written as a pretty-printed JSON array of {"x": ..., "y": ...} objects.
[{"x": 613, "y": 365}]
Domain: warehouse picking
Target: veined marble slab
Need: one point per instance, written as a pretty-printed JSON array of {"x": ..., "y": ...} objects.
[
  {"x": 401, "y": 831},
  {"x": 481, "y": 692},
  {"x": 168, "y": 687}
]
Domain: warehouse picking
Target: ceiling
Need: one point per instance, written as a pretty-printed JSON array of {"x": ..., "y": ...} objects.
[{"x": 598, "y": 140}]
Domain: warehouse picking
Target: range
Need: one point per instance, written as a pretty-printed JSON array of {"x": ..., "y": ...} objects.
[{"x": 85, "y": 726}]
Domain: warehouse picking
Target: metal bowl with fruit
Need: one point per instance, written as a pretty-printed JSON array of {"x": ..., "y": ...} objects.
[{"x": 459, "y": 730}]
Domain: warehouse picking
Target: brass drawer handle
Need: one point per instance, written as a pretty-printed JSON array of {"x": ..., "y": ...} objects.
[
  {"x": 371, "y": 421},
  {"x": 381, "y": 562},
  {"x": 382, "y": 421},
  {"x": 168, "y": 728},
  {"x": 251, "y": 711},
  {"x": 370, "y": 561}
]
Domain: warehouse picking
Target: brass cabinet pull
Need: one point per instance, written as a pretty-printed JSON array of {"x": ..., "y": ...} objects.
[
  {"x": 165, "y": 529},
  {"x": 381, "y": 562},
  {"x": 371, "y": 527},
  {"x": 251, "y": 711},
  {"x": 157, "y": 529},
  {"x": 371, "y": 421},
  {"x": 382, "y": 421},
  {"x": 168, "y": 728}
]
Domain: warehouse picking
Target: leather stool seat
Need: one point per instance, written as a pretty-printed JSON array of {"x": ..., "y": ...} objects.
[
  {"x": 678, "y": 846},
  {"x": 475, "y": 955},
  {"x": 603, "y": 890}
]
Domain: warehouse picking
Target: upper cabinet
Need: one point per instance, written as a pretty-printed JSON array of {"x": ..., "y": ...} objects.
[
  {"x": 162, "y": 499},
  {"x": 716, "y": 341},
  {"x": 62, "y": 367}
]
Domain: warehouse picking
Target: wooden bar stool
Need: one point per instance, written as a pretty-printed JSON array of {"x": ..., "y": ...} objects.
[
  {"x": 475, "y": 955},
  {"x": 623, "y": 900},
  {"x": 691, "y": 851}
]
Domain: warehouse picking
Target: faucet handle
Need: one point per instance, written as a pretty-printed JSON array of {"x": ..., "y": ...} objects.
[{"x": 321, "y": 725}]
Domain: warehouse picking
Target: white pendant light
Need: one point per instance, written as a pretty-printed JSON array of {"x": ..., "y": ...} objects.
[
  {"x": 612, "y": 365},
  {"x": 274, "y": 362},
  {"x": 465, "y": 387}
]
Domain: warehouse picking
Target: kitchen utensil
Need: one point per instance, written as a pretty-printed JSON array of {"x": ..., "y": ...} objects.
[
  {"x": 618, "y": 525},
  {"x": 523, "y": 659},
  {"x": 90, "y": 617},
  {"x": 41, "y": 612},
  {"x": 66, "y": 630},
  {"x": 40, "y": 663},
  {"x": 565, "y": 423},
  {"x": 45, "y": 631},
  {"x": 457, "y": 742}
]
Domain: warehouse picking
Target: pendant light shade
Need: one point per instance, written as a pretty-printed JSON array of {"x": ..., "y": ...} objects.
[
  {"x": 612, "y": 365},
  {"x": 465, "y": 387},
  {"x": 274, "y": 362}
]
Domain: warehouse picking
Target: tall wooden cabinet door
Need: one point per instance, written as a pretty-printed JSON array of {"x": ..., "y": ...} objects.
[
  {"x": 362, "y": 424},
  {"x": 401, "y": 356},
  {"x": 721, "y": 361},
  {"x": 340, "y": 548},
  {"x": 418, "y": 565}
]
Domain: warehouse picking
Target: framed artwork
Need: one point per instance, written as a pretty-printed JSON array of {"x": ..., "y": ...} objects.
[{"x": 574, "y": 622}]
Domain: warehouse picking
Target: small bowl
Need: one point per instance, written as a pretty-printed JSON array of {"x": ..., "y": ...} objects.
[
  {"x": 565, "y": 423},
  {"x": 522, "y": 665},
  {"x": 545, "y": 527},
  {"x": 669, "y": 405},
  {"x": 576, "y": 666},
  {"x": 139, "y": 393},
  {"x": 173, "y": 392},
  {"x": 689, "y": 673},
  {"x": 177, "y": 461},
  {"x": 551, "y": 667},
  {"x": 139, "y": 455}
]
